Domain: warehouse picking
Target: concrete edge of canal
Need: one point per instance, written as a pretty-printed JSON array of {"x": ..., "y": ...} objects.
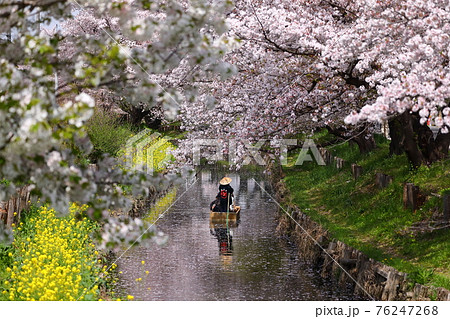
[{"x": 346, "y": 266}]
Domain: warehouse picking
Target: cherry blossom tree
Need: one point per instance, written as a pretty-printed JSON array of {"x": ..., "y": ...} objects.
[
  {"x": 126, "y": 47},
  {"x": 282, "y": 86},
  {"x": 339, "y": 64},
  {"x": 300, "y": 65},
  {"x": 402, "y": 46},
  {"x": 172, "y": 65}
]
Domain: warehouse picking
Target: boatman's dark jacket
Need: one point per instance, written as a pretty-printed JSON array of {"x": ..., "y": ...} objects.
[{"x": 225, "y": 196}]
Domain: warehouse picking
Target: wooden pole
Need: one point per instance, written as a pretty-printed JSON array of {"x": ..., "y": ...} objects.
[
  {"x": 356, "y": 171},
  {"x": 410, "y": 196},
  {"x": 382, "y": 180}
]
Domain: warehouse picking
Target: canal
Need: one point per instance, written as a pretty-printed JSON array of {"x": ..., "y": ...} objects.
[{"x": 202, "y": 261}]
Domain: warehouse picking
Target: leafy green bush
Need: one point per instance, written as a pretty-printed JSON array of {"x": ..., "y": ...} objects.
[
  {"x": 422, "y": 276},
  {"x": 107, "y": 133}
]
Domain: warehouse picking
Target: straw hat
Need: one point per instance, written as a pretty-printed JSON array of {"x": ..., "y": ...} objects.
[{"x": 225, "y": 181}]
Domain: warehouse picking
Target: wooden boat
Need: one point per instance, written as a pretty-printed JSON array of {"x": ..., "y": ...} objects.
[
  {"x": 223, "y": 216},
  {"x": 223, "y": 223}
]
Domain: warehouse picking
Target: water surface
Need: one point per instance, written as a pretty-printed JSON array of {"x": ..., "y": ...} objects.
[{"x": 201, "y": 261}]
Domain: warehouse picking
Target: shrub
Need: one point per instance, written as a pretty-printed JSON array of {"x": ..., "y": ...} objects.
[{"x": 107, "y": 133}]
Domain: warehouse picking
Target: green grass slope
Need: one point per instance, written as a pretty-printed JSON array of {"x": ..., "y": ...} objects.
[{"x": 372, "y": 219}]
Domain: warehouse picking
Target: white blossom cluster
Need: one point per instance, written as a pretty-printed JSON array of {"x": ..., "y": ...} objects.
[{"x": 125, "y": 232}]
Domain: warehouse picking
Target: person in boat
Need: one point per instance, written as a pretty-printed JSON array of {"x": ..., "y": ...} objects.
[{"x": 225, "y": 195}]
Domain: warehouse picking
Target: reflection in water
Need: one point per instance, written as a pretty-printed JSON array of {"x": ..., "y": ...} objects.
[
  {"x": 222, "y": 230},
  {"x": 223, "y": 235},
  {"x": 203, "y": 260},
  {"x": 225, "y": 239}
]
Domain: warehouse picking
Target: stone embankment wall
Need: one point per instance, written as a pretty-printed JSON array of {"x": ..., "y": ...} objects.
[{"x": 331, "y": 257}]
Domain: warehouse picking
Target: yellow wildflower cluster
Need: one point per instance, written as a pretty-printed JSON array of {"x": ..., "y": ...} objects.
[
  {"x": 161, "y": 205},
  {"x": 155, "y": 154},
  {"x": 54, "y": 260},
  {"x": 160, "y": 154}
]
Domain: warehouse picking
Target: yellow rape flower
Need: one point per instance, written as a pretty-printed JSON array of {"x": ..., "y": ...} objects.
[{"x": 49, "y": 269}]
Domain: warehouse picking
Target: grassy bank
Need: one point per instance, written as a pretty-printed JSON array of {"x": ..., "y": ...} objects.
[
  {"x": 109, "y": 135},
  {"x": 373, "y": 220}
]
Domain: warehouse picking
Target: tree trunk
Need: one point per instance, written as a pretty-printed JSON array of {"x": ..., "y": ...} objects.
[
  {"x": 137, "y": 115},
  {"x": 442, "y": 144},
  {"x": 396, "y": 134},
  {"x": 416, "y": 140},
  {"x": 412, "y": 151},
  {"x": 153, "y": 123},
  {"x": 365, "y": 142},
  {"x": 425, "y": 140},
  {"x": 446, "y": 207}
]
